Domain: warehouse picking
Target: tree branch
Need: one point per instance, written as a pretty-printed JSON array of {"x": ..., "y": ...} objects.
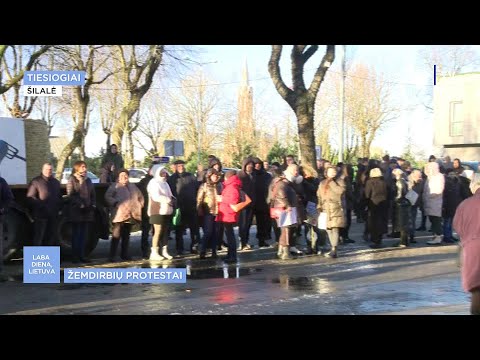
[
  {"x": 275, "y": 74},
  {"x": 297, "y": 68},
  {"x": 327, "y": 61},
  {"x": 310, "y": 51}
]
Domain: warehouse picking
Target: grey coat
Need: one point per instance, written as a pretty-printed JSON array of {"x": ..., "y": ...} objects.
[{"x": 126, "y": 202}]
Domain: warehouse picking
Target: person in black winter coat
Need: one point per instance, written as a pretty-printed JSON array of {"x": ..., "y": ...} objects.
[
  {"x": 248, "y": 178},
  {"x": 376, "y": 195},
  {"x": 80, "y": 208},
  {"x": 45, "y": 199},
  {"x": 184, "y": 188},
  {"x": 261, "y": 209},
  {"x": 453, "y": 194},
  {"x": 146, "y": 226},
  {"x": 401, "y": 206}
]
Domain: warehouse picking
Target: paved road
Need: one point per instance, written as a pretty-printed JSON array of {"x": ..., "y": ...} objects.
[{"x": 417, "y": 280}]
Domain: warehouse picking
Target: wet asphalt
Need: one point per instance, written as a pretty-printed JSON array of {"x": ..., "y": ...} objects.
[{"x": 420, "y": 279}]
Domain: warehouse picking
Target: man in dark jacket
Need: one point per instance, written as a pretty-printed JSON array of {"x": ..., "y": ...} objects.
[
  {"x": 146, "y": 226},
  {"x": 184, "y": 187},
  {"x": 248, "y": 177},
  {"x": 113, "y": 159},
  {"x": 261, "y": 209},
  {"x": 453, "y": 194},
  {"x": 6, "y": 197},
  {"x": 45, "y": 200}
]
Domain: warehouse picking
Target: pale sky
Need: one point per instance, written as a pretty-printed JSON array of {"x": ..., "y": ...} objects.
[{"x": 400, "y": 64}]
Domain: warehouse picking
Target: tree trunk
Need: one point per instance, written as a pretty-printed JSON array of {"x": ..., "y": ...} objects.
[
  {"x": 82, "y": 149},
  {"x": 130, "y": 150},
  {"x": 306, "y": 131},
  {"x": 363, "y": 144},
  {"x": 369, "y": 143},
  {"x": 122, "y": 124},
  {"x": 68, "y": 151},
  {"x": 117, "y": 134}
]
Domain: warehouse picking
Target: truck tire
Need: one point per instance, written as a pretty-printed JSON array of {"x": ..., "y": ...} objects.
[
  {"x": 65, "y": 236},
  {"x": 17, "y": 233}
]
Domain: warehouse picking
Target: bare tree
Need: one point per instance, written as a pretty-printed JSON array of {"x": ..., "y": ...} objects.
[
  {"x": 324, "y": 122},
  {"x": 110, "y": 102},
  {"x": 193, "y": 107},
  {"x": 13, "y": 66},
  {"x": 138, "y": 68},
  {"x": 49, "y": 107},
  {"x": 299, "y": 98},
  {"x": 17, "y": 75},
  {"x": 450, "y": 60},
  {"x": 153, "y": 126},
  {"x": 368, "y": 105},
  {"x": 83, "y": 58}
]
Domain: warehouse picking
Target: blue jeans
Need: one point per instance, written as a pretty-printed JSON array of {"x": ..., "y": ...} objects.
[
  {"x": 244, "y": 223},
  {"x": 209, "y": 233},
  {"x": 79, "y": 233},
  {"x": 447, "y": 229},
  {"x": 232, "y": 243}
]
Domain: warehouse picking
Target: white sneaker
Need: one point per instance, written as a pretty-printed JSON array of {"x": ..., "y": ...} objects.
[
  {"x": 165, "y": 253},
  {"x": 435, "y": 241},
  {"x": 155, "y": 256}
]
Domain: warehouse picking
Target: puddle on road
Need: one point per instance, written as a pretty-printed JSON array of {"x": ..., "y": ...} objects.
[
  {"x": 225, "y": 272},
  {"x": 304, "y": 284},
  {"x": 219, "y": 270}
]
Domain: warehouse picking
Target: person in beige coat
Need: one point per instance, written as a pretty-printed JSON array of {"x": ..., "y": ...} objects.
[
  {"x": 125, "y": 201},
  {"x": 329, "y": 196}
]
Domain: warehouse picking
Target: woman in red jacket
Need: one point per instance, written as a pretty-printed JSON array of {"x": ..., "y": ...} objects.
[{"x": 228, "y": 216}]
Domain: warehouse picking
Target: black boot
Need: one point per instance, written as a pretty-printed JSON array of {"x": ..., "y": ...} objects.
[
  {"x": 125, "y": 246},
  {"x": 113, "y": 249}
]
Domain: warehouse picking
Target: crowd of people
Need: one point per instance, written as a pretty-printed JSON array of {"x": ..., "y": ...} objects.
[{"x": 377, "y": 192}]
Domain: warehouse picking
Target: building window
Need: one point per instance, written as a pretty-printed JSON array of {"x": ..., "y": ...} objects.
[{"x": 456, "y": 118}]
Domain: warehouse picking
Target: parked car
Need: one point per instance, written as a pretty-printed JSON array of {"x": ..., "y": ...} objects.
[
  {"x": 470, "y": 165},
  {"x": 224, "y": 170},
  {"x": 68, "y": 171},
  {"x": 137, "y": 174}
]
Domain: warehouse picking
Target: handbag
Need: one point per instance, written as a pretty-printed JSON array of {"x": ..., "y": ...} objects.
[
  {"x": 177, "y": 217},
  {"x": 412, "y": 196},
  {"x": 275, "y": 212},
  {"x": 245, "y": 201},
  {"x": 322, "y": 221}
]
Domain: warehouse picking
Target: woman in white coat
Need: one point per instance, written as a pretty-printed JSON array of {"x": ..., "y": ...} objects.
[
  {"x": 433, "y": 200},
  {"x": 160, "y": 210}
]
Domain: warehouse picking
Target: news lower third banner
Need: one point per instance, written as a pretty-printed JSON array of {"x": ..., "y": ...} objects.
[
  {"x": 41, "y": 264},
  {"x": 125, "y": 276},
  {"x": 50, "y": 83}
]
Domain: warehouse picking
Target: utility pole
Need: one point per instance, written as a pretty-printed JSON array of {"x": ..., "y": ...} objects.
[{"x": 342, "y": 105}]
